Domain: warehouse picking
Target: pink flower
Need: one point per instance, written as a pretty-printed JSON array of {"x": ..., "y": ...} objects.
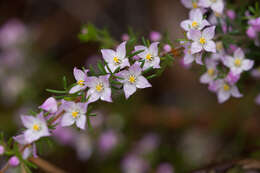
[
  {"x": 155, "y": 36},
  {"x": 125, "y": 37},
  {"x": 149, "y": 55},
  {"x": 190, "y": 3},
  {"x": 251, "y": 32},
  {"x": 116, "y": 59},
  {"x": 232, "y": 78},
  {"x": 203, "y": 40},
  {"x": 195, "y": 21},
  {"x": 216, "y": 5},
  {"x": 238, "y": 63},
  {"x": 133, "y": 79},
  {"x": 80, "y": 77},
  {"x": 189, "y": 58},
  {"x": 211, "y": 73},
  {"x": 74, "y": 113},
  {"x": 36, "y": 127},
  {"x": 50, "y": 105},
  {"x": 99, "y": 88},
  {"x": 107, "y": 141},
  {"x": 225, "y": 90}
]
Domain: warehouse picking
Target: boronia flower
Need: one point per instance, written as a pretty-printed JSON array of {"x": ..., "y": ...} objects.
[
  {"x": 50, "y": 105},
  {"x": 80, "y": 77},
  {"x": 195, "y": 21},
  {"x": 149, "y": 55},
  {"x": 225, "y": 90},
  {"x": 189, "y": 58},
  {"x": 132, "y": 79},
  {"x": 36, "y": 127},
  {"x": 211, "y": 73},
  {"x": 74, "y": 113},
  {"x": 238, "y": 63},
  {"x": 99, "y": 88},
  {"x": 216, "y": 5},
  {"x": 116, "y": 58},
  {"x": 190, "y": 3},
  {"x": 203, "y": 40}
]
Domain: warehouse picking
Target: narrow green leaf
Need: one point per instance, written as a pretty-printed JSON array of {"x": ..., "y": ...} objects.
[{"x": 56, "y": 91}]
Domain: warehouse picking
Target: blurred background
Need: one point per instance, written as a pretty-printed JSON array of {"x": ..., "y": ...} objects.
[{"x": 175, "y": 126}]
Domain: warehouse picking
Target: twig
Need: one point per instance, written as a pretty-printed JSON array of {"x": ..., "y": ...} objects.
[{"x": 46, "y": 166}]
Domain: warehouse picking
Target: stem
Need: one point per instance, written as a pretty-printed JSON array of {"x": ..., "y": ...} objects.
[{"x": 46, "y": 166}]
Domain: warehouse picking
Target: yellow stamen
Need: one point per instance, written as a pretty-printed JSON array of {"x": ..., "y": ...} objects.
[
  {"x": 194, "y": 24},
  {"x": 75, "y": 114},
  {"x": 237, "y": 62},
  {"x": 149, "y": 57},
  {"x": 116, "y": 60},
  {"x": 36, "y": 127},
  {"x": 81, "y": 82},
  {"x": 195, "y": 5},
  {"x": 211, "y": 72},
  {"x": 226, "y": 87},
  {"x": 202, "y": 40},
  {"x": 99, "y": 87},
  {"x": 132, "y": 79}
]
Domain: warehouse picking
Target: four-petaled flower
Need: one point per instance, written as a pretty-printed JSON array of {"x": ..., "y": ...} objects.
[
  {"x": 36, "y": 127},
  {"x": 116, "y": 59},
  {"x": 80, "y": 77},
  {"x": 189, "y": 58},
  {"x": 225, "y": 90},
  {"x": 203, "y": 40},
  {"x": 99, "y": 88},
  {"x": 195, "y": 22},
  {"x": 211, "y": 73},
  {"x": 149, "y": 55},
  {"x": 74, "y": 112},
  {"x": 132, "y": 79},
  {"x": 238, "y": 63},
  {"x": 216, "y": 5}
]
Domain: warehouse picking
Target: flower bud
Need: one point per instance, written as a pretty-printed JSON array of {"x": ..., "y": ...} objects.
[
  {"x": 167, "y": 48},
  {"x": 14, "y": 161},
  {"x": 2, "y": 150}
]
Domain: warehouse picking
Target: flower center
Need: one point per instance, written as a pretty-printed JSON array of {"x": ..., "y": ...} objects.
[
  {"x": 194, "y": 24},
  {"x": 132, "y": 79},
  {"x": 75, "y": 114},
  {"x": 211, "y": 72},
  {"x": 149, "y": 57},
  {"x": 36, "y": 127},
  {"x": 99, "y": 87},
  {"x": 202, "y": 40},
  {"x": 194, "y": 4},
  {"x": 226, "y": 87},
  {"x": 81, "y": 82},
  {"x": 116, "y": 60},
  {"x": 237, "y": 62}
]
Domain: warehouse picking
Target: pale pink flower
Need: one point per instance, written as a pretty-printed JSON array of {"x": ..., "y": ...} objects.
[
  {"x": 80, "y": 77},
  {"x": 50, "y": 105},
  {"x": 211, "y": 73},
  {"x": 155, "y": 36}
]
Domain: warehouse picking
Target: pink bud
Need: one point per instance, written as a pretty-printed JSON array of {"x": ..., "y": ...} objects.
[
  {"x": 2, "y": 150},
  {"x": 14, "y": 161},
  {"x": 155, "y": 36},
  {"x": 231, "y": 14},
  {"x": 125, "y": 37},
  {"x": 251, "y": 32},
  {"x": 167, "y": 48}
]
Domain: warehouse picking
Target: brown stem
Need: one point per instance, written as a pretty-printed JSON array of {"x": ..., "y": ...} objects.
[{"x": 46, "y": 166}]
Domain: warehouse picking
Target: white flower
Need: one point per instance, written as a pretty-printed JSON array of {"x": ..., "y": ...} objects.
[
  {"x": 195, "y": 21},
  {"x": 36, "y": 127},
  {"x": 216, "y": 5},
  {"x": 149, "y": 55},
  {"x": 238, "y": 63},
  {"x": 132, "y": 79},
  {"x": 81, "y": 77},
  {"x": 211, "y": 73},
  {"x": 74, "y": 112},
  {"x": 116, "y": 58}
]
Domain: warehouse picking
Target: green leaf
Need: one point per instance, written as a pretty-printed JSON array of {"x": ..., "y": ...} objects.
[
  {"x": 135, "y": 53},
  {"x": 56, "y": 91},
  {"x": 101, "y": 68},
  {"x": 151, "y": 76}
]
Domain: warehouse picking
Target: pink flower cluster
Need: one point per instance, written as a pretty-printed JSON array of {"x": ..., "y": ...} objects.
[{"x": 222, "y": 69}]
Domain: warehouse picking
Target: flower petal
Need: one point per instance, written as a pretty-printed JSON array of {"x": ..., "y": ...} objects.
[
  {"x": 210, "y": 46},
  {"x": 75, "y": 89},
  {"x": 239, "y": 53},
  {"x": 67, "y": 120},
  {"x": 209, "y": 33},
  {"x": 142, "y": 82},
  {"x": 108, "y": 54},
  {"x": 195, "y": 47},
  {"x": 81, "y": 122},
  {"x": 223, "y": 96},
  {"x": 27, "y": 120},
  {"x": 121, "y": 50},
  {"x": 106, "y": 95},
  {"x": 247, "y": 64},
  {"x": 129, "y": 89},
  {"x": 79, "y": 74}
]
